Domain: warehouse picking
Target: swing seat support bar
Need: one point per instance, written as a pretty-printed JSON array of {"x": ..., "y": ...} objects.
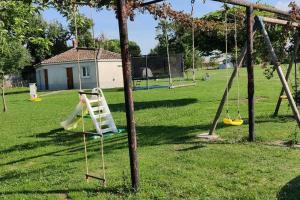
[{"x": 87, "y": 176}]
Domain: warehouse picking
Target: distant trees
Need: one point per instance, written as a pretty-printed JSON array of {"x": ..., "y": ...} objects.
[
  {"x": 84, "y": 27},
  {"x": 16, "y": 28},
  {"x": 114, "y": 46},
  {"x": 53, "y": 32},
  {"x": 179, "y": 41}
]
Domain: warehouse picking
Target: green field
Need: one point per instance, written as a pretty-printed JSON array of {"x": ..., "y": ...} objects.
[{"x": 39, "y": 160}]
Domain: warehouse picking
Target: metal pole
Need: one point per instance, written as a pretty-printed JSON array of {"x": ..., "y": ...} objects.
[
  {"x": 276, "y": 64},
  {"x": 193, "y": 40},
  {"x": 132, "y": 141},
  {"x": 292, "y": 59},
  {"x": 249, "y": 15},
  {"x": 147, "y": 76},
  {"x": 168, "y": 54}
]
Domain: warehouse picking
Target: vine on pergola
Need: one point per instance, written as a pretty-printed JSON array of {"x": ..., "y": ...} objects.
[
  {"x": 159, "y": 11},
  {"x": 165, "y": 11}
]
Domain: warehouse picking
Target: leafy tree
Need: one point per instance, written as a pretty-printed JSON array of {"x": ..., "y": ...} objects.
[
  {"x": 15, "y": 32},
  {"x": 59, "y": 36},
  {"x": 12, "y": 59},
  {"x": 180, "y": 37},
  {"x": 53, "y": 32},
  {"x": 84, "y": 27},
  {"x": 114, "y": 46},
  {"x": 179, "y": 41}
]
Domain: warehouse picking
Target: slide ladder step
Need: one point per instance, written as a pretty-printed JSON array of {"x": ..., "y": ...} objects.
[
  {"x": 98, "y": 108},
  {"x": 102, "y": 115},
  {"x": 107, "y": 130}
]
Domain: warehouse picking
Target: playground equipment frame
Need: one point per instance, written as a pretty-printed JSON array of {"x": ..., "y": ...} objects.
[{"x": 129, "y": 103}]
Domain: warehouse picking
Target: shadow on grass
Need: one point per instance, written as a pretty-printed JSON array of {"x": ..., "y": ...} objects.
[
  {"x": 198, "y": 146},
  {"x": 277, "y": 119},
  {"x": 71, "y": 143},
  {"x": 118, "y": 190},
  {"x": 16, "y": 92},
  {"x": 290, "y": 191},
  {"x": 56, "y": 136},
  {"x": 120, "y": 107}
]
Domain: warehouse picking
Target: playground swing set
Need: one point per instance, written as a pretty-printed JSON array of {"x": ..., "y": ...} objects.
[
  {"x": 260, "y": 25},
  {"x": 253, "y": 25},
  {"x": 246, "y": 52}
]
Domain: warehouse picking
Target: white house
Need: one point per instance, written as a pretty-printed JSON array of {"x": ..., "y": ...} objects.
[
  {"x": 219, "y": 58},
  {"x": 62, "y": 72}
]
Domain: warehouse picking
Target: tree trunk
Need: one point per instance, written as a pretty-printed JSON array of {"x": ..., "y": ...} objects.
[{"x": 3, "y": 95}]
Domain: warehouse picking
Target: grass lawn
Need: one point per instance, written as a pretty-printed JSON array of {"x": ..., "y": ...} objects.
[{"x": 39, "y": 160}]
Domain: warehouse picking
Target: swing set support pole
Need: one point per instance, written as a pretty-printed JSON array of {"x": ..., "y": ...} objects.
[
  {"x": 277, "y": 66},
  {"x": 129, "y": 104},
  {"x": 249, "y": 63},
  {"x": 292, "y": 59}
]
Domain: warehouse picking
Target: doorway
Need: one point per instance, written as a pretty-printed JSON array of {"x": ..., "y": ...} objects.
[
  {"x": 70, "y": 81},
  {"x": 46, "y": 79}
]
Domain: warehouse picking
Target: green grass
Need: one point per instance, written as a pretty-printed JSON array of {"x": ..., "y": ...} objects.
[{"x": 39, "y": 160}]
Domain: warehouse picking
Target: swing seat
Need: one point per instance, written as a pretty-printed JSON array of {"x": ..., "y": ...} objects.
[
  {"x": 283, "y": 97},
  {"x": 227, "y": 121},
  {"x": 237, "y": 122},
  {"x": 233, "y": 122}
]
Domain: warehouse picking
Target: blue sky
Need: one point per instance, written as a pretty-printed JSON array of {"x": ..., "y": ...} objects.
[{"x": 142, "y": 30}]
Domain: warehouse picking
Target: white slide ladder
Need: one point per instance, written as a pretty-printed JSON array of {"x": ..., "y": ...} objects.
[{"x": 99, "y": 112}]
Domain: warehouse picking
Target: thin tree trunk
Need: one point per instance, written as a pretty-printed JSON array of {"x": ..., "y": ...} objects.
[{"x": 3, "y": 95}]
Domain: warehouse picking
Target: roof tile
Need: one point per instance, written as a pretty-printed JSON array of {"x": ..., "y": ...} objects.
[{"x": 83, "y": 54}]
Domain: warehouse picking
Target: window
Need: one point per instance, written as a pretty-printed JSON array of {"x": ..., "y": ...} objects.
[{"x": 85, "y": 72}]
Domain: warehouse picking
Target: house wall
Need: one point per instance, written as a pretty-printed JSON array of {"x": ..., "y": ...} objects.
[
  {"x": 111, "y": 74},
  {"x": 109, "y": 70},
  {"x": 40, "y": 79}
]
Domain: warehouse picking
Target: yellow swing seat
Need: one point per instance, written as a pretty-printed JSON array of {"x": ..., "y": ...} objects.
[
  {"x": 233, "y": 122},
  {"x": 227, "y": 121},
  {"x": 237, "y": 122},
  {"x": 283, "y": 97}
]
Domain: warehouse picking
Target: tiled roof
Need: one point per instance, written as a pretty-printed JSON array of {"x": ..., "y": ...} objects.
[{"x": 84, "y": 54}]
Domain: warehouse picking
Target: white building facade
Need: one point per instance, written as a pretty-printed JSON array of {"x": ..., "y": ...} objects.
[{"x": 64, "y": 71}]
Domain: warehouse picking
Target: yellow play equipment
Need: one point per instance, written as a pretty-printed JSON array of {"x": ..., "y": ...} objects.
[
  {"x": 33, "y": 93},
  {"x": 36, "y": 99},
  {"x": 233, "y": 122},
  {"x": 283, "y": 97},
  {"x": 228, "y": 120}
]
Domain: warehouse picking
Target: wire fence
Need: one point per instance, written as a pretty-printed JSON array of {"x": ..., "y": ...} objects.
[{"x": 156, "y": 67}]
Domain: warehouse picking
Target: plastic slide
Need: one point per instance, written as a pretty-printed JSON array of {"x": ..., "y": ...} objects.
[{"x": 73, "y": 120}]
